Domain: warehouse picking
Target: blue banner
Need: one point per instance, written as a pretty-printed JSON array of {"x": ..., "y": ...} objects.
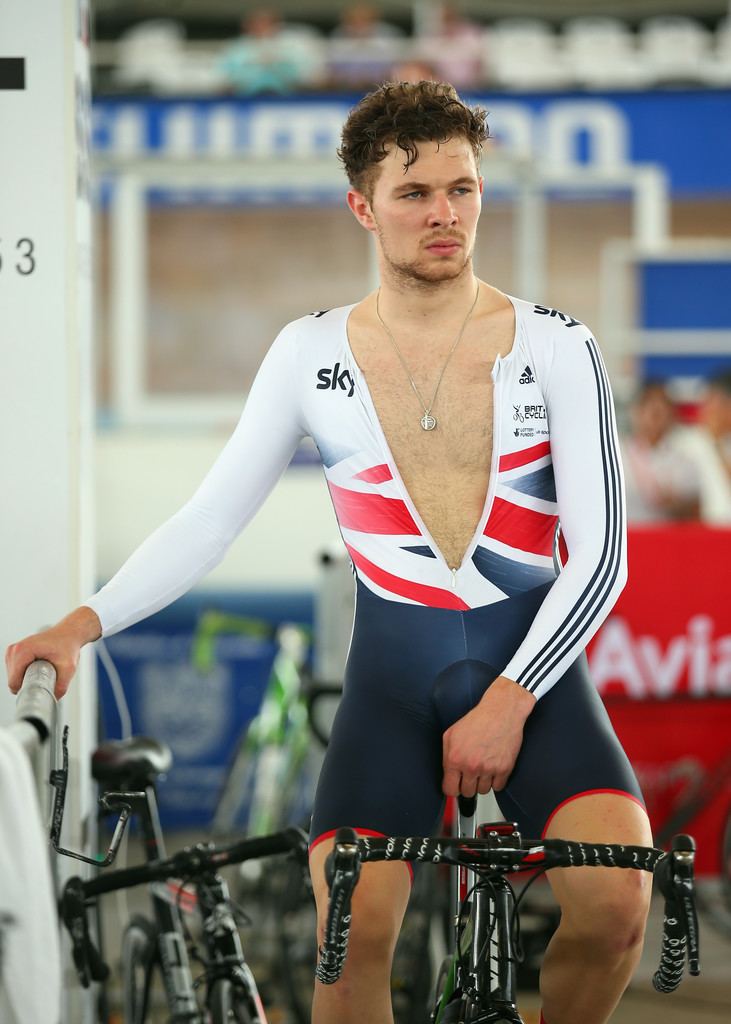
[
  {"x": 685, "y": 132},
  {"x": 201, "y": 715}
]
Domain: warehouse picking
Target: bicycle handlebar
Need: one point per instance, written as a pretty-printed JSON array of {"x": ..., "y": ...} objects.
[
  {"x": 502, "y": 854},
  {"x": 188, "y": 863},
  {"x": 680, "y": 926}
]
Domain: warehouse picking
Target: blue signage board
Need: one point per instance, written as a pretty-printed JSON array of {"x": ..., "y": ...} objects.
[
  {"x": 201, "y": 715},
  {"x": 685, "y": 132},
  {"x": 684, "y": 294}
]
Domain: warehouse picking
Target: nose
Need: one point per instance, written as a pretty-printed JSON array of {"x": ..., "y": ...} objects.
[{"x": 441, "y": 211}]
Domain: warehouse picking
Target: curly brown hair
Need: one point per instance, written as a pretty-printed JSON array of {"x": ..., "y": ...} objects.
[{"x": 405, "y": 113}]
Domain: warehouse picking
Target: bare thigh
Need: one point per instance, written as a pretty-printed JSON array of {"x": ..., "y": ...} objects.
[
  {"x": 589, "y": 897},
  {"x": 379, "y": 902}
]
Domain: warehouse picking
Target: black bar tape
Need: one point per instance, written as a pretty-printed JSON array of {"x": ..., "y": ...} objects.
[
  {"x": 672, "y": 958},
  {"x": 564, "y": 853}
]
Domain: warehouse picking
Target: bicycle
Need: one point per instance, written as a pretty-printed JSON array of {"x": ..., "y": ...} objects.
[
  {"x": 128, "y": 770},
  {"x": 476, "y": 983},
  {"x": 267, "y": 775},
  {"x": 269, "y": 784}
]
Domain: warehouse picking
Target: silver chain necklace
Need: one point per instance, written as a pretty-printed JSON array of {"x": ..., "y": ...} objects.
[{"x": 428, "y": 422}]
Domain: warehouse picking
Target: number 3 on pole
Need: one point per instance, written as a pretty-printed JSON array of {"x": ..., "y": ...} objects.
[{"x": 27, "y": 263}]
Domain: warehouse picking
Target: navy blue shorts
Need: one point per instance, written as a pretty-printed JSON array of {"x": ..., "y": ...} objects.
[{"x": 412, "y": 672}]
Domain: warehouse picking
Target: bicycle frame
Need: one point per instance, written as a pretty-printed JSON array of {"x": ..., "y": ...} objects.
[
  {"x": 482, "y": 965},
  {"x": 224, "y": 951},
  {"x": 172, "y": 948}
]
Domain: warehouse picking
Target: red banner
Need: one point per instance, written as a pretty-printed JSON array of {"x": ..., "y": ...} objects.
[{"x": 662, "y": 661}]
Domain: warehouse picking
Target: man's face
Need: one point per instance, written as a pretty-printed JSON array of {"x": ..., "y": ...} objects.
[
  {"x": 424, "y": 218},
  {"x": 653, "y": 416},
  {"x": 715, "y": 411}
]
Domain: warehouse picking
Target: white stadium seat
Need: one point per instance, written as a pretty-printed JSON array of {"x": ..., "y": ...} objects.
[
  {"x": 676, "y": 49},
  {"x": 601, "y": 53},
  {"x": 152, "y": 54},
  {"x": 525, "y": 54},
  {"x": 720, "y": 64}
]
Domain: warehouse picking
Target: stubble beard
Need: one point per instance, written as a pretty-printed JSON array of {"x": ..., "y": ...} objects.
[{"x": 415, "y": 274}]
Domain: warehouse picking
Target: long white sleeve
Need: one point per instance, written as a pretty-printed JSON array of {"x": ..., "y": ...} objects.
[
  {"x": 591, "y": 505},
  {"x": 194, "y": 540}
]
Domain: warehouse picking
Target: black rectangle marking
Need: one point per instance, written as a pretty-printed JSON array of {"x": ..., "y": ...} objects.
[{"x": 12, "y": 72}]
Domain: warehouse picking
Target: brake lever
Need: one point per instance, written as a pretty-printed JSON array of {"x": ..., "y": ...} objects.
[{"x": 683, "y": 889}]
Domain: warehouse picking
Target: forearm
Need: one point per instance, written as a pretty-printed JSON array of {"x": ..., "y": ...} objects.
[{"x": 84, "y": 623}]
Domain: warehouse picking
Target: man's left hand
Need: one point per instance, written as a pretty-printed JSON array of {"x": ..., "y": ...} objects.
[{"x": 480, "y": 750}]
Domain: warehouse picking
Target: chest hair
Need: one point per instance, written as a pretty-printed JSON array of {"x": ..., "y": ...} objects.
[{"x": 445, "y": 471}]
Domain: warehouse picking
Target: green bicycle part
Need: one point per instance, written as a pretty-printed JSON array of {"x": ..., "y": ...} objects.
[
  {"x": 448, "y": 990},
  {"x": 278, "y": 735},
  {"x": 211, "y": 624}
]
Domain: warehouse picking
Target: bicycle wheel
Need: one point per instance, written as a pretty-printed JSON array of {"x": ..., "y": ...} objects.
[
  {"x": 139, "y": 956},
  {"x": 229, "y": 1004}
]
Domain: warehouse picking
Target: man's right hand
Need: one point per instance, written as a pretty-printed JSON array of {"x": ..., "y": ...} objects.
[{"x": 61, "y": 645}]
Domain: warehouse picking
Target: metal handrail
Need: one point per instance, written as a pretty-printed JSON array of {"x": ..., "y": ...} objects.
[
  {"x": 36, "y": 712},
  {"x": 35, "y": 709}
]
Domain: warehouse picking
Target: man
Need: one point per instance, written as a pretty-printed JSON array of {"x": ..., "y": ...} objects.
[
  {"x": 708, "y": 446},
  {"x": 661, "y": 480},
  {"x": 454, "y": 425}
]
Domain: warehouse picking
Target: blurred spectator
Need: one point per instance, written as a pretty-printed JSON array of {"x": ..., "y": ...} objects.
[
  {"x": 709, "y": 445},
  {"x": 270, "y": 57},
  {"x": 662, "y": 482},
  {"x": 364, "y": 48},
  {"x": 456, "y": 48},
  {"x": 413, "y": 70}
]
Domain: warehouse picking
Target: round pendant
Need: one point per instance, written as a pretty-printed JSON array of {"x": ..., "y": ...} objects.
[{"x": 428, "y": 422}]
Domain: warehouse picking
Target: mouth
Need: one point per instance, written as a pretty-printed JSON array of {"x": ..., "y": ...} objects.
[{"x": 444, "y": 247}]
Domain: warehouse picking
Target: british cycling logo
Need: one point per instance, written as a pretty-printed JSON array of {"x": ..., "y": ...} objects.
[
  {"x": 529, "y": 412},
  {"x": 332, "y": 379},
  {"x": 568, "y": 321}
]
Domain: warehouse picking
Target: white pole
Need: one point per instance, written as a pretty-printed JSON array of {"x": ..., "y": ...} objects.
[{"x": 46, "y": 537}]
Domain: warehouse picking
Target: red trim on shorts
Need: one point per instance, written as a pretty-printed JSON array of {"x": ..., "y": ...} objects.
[
  {"x": 361, "y": 832},
  {"x": 542, "y": 1019},
  {"x": 588, "y": 792}
]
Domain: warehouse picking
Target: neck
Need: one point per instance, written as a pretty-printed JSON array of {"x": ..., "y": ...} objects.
[{"x": 415, "y": 303}]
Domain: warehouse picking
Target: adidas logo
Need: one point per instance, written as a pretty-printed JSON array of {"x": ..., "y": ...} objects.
[{"x": 526, "y": 376}]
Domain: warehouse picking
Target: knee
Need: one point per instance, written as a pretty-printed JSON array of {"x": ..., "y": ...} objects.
[
  {"x": 371, "y": 941},
  {"x": 611, "y": 919}
]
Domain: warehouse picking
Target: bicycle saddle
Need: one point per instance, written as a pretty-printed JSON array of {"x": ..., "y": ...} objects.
[{"x": 135, "y": 761}]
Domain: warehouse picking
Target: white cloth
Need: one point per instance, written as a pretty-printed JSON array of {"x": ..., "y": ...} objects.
[
  {"x": 30, "y": 973},
  {"x": 652, "y": 472},
  {"x": 715, "y": 485}
]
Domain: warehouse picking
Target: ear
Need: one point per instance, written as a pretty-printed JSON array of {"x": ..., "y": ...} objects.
[
  {"x": 361, "y": 209},
  {"x": 481, "y": 184}
]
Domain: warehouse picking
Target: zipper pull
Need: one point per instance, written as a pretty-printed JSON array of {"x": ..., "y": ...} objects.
[{"x": 454, "y": 578}]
